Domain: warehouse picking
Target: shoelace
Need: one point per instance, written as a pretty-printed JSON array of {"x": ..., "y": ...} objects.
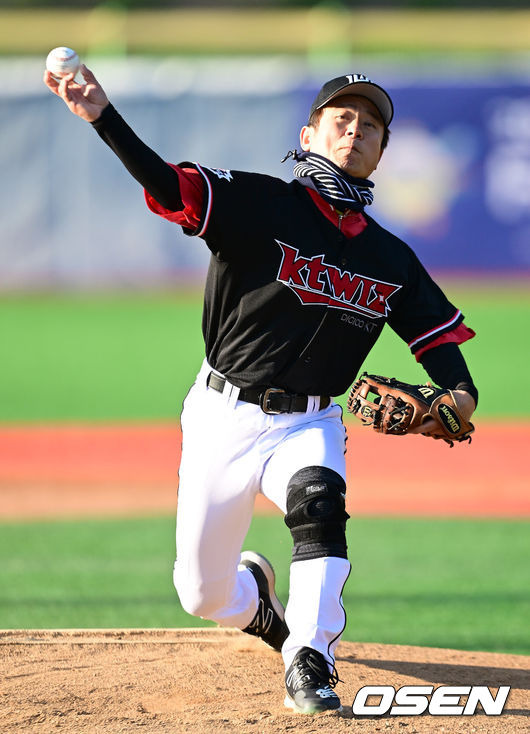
[{"x": 312, "y": 664}]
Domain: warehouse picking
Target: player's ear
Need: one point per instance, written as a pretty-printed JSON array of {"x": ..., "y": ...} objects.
[{"x": 305, "y": 137}]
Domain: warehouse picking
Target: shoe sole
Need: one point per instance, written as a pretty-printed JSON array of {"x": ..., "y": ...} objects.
[
  {"x": 268, "y": 571},
  {"x": 290, "y": 704}
]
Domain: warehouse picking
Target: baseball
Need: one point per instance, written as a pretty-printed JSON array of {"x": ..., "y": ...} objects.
[{"x": 62, "y": 61}]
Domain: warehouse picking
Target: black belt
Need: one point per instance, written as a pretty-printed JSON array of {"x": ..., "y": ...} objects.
[{"x": 272, "y": 400}]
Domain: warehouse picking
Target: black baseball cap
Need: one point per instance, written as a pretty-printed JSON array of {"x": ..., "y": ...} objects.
[{"x": 355, "y": 84}]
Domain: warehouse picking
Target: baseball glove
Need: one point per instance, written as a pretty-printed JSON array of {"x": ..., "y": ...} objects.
[{"x": 398, "y": 407}]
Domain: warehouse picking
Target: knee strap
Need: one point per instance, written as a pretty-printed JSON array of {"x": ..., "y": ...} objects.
[{"x": 316, "y": 514}]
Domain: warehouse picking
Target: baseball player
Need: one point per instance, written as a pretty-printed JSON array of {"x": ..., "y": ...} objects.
[{"x": 300, "y": 284}]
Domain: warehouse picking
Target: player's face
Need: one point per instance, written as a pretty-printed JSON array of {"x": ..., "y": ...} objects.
[{"x": 349, "y": 134}]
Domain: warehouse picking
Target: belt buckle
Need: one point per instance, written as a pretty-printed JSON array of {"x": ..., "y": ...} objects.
[{"x": 265, "y": 398}]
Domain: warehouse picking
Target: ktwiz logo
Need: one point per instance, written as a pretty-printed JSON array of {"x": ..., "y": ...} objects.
[
  {"x": 317, "y": 282},
  {"x": 414, "y": 700}
]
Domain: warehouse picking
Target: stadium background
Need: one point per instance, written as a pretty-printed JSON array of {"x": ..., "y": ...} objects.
[{"x": 100, "y": 303}]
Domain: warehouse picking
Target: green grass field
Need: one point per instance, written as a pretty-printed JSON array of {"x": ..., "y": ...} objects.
[
  {"x": 134, "y": 356},
  {"x": 119, "y": 357},
  {"x": 459, "y": 584},
  {"x": 436, "y": 583}
]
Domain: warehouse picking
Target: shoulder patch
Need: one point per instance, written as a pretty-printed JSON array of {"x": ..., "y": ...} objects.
[{"x": 221, "y": 173}]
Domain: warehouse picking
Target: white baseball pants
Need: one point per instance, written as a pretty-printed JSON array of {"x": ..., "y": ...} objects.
[{"x": 232, "y": 451}]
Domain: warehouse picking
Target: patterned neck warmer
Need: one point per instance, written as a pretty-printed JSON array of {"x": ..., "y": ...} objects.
[{"x": 332, "y": 183}]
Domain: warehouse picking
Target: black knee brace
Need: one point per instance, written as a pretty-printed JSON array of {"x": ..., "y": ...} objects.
[{"x": 316, "y": 514}]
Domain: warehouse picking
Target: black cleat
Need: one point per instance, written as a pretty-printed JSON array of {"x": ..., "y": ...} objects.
[
  {"x": 269, "y": 622},
  {"x": 309, "y": 684}
]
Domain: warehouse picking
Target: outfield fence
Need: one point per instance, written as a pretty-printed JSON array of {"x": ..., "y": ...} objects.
[{"x": 454, "y": 181}]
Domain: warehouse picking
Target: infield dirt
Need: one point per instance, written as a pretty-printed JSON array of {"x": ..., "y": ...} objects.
[{"x": 215, "y": 680}]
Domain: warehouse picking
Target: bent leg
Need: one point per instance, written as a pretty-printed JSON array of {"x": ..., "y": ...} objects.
[
  {"x": 215, "y": 503},
  {"x": 206, "y": 574}
]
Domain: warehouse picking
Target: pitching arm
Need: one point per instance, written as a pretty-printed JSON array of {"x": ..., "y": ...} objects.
[{"x": 89, "y": 102}]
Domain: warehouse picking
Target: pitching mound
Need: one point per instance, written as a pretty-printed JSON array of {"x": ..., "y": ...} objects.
[{"x": 213, "y": 680}]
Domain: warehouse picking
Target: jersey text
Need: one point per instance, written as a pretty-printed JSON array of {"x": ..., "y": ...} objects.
[{"x": 316, "y": 282}]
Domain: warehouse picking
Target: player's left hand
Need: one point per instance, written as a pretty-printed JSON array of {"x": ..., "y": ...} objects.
[
  {"x": 464, "y": 403},
  {"x": 399, "y": 408}
]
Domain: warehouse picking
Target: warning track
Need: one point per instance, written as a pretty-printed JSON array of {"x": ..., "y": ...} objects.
[{"x": 75, "y": 470}]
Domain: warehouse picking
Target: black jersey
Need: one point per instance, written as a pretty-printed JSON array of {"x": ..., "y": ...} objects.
[{"x": 290, "y": 302}]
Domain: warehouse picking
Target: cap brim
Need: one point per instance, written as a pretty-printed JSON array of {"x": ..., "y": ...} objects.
[{"x": 371, "y": 91}]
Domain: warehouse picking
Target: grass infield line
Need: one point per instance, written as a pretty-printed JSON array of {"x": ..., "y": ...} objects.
[{"x": 459, "y": 584}]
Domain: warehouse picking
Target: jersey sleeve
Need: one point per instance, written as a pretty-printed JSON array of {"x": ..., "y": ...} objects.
[
  {"x": 228, "y": 208},
  {"x": 191, "y": 185},
  {"x": 216, "y": 205},
  {"x": 424, "y": 317}
]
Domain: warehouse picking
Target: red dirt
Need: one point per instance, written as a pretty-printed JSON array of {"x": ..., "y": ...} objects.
[{"x": 71, "y": 470}]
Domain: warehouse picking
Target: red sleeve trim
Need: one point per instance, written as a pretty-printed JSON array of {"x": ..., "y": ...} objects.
[
  {"x": 458, "y": 336},
  {"x": 192, "y": 195},
  {"x": 431, "y": 332}
]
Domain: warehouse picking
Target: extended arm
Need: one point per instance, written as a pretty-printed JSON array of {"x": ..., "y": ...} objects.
[{"x": 89, "y": 102}]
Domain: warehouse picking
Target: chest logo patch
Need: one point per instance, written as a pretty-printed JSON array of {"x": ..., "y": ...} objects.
[{"x": 316, "y": 282}]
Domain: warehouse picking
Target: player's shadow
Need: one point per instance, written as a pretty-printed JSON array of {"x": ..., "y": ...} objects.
[{"x": 453, "y": 675}]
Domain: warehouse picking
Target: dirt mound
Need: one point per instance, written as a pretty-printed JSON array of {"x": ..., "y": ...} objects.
[{"x": 213, "y": 680}]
